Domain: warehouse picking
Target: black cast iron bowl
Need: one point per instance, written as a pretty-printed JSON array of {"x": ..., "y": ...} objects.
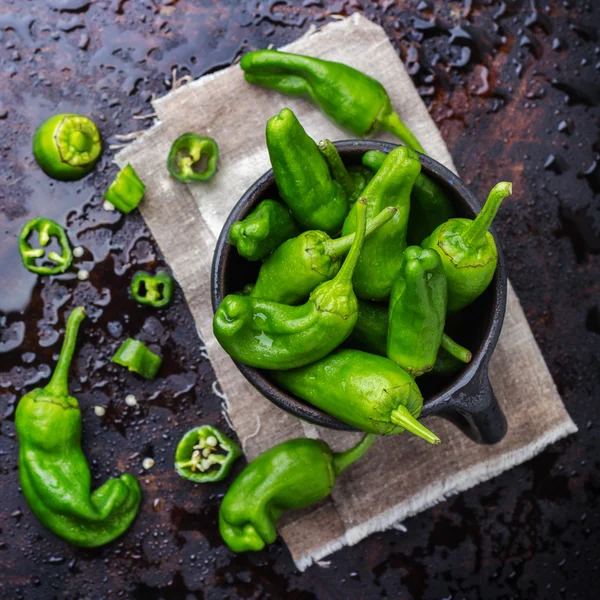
[{"x": 466, "y": 399}]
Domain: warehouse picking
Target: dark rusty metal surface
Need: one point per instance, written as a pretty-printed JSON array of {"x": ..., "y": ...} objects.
[{"x": 514, "y": 88}]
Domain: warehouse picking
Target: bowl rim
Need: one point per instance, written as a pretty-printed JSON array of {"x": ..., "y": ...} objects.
[{"x": 434, "y": 404}]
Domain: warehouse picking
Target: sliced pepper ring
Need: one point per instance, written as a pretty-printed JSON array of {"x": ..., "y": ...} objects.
[
  {"x": 204, "y": 455},
  {"x": 152, "y": 290},
  {"x": 47, "y": 229},
  {"x": 193, "y": 157}
]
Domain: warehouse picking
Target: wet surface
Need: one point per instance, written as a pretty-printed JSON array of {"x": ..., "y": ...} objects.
[{"x": 513, "y": 87}]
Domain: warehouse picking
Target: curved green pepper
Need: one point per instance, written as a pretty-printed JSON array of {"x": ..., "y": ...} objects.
[
  {"x": 270, "y": 335},
  {"x": 302, "y": 175},
  {"x": 468, "y": 251},
  {"x": 299, "y": 265},
  {"x": 193, "y": 158},
  {"x": 352, "y": 99},
  {"x": 126, "y": 191},
  {"x": 289, "y": 476},
  {"x": 380, "y": 260},
  {"x": 429, "y": 204},
  {"x": 264, "y": 229},
  {"x": 46, "y": 229},
  {"x": 67, "y": 146},
  {"x": 367, "y": 391},
  {"x": 54, "y": 473}
]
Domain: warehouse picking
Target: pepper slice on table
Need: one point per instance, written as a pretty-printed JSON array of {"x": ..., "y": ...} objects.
[
  {"x": 67, "y": 146},
  {"x": 54, "y": 474},
  {"x": 468, "y": 251},
  {"x": 193, "y": 158},
  {"x": 204, "y": 455},
  {"x": 46, "y": 229},
  {"x": 138, "y": 358},
  {"x": 152, "y": 290},
  {"x": 299, "y": 265},
  {"x": 289, "y": 476},
  {"x": 269, "y": 335},
  {"x": 367, "y": 391},
  {"x": 264, "y": 229},
  {"x": 379, "y": 263},
  {"x": 348, "y": 97},
  {"x": 126, "y": 190},
  {"x": 302, "y": 175}
]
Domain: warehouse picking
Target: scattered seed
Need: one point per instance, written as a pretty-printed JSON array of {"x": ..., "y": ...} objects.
[
  {"x": 131, "y": 400},
  {"x": 100, "y": 411},
  {"x": 83, "y": 274},
  {"x": 108, "y": 205},
  {"x": 78, "y": 252},
  {"x": 148, "y": 463}
]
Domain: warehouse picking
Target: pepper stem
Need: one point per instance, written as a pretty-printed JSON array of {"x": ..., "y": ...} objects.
[
  {"x": 341, "y": 246},
  {"x": 455, "y": 349},
  {"x": 393, "y": 124},
  {"x": 473, "y": 235},
  {"x": 58, "y": 385},
  {"x": 342, "y": 460},
  {"x": 347, "y": 270},
  {"x": 337, "y": 167},
  {"x": 402, "y": 417}
]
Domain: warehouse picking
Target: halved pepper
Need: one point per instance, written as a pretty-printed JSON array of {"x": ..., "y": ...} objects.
[
  {"x": 138, "y": 358},
  {"x": 152, "y": 290},
  {"x": 193, "y": 157},
  {"x": 47, "y": 229},
  {"x": 126, "y": 190},
  {"x": 204, "y": 455}
]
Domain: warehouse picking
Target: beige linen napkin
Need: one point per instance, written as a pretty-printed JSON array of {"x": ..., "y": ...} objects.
[{"x": 185, "y": 220}]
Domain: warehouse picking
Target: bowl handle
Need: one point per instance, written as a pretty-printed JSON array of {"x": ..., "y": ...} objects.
[{"x": 474, "y": 409}]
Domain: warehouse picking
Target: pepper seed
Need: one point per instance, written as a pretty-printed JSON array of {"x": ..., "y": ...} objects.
[
  {"x": 131, "y": 400},
  {"x": 148, "y": 463},
  {"x": 99, "y": 411}
]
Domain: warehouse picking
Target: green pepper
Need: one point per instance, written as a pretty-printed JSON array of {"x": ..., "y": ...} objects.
[
  {"x": 380, "y": 260},
  {"x": 205, "y": 455},
  {"x": 46, "y": 230},
  {"x": 367, "y": 391},
  {"x": 429, "y": 204},
  {"x": 350, "y": 98},
  {"x": 269, "y": 335},
  {"x": 137, "y": 358},
  {"x": 266, "y": 227},
  {"x": 152, "y": 290},
  {"x": 289, "y": 476},
  {"x": 126, "y": 190},
  {"x": 302, "y": 175},
  {"x": 193, "y": 157},
  {"x": 55, "y": 476},
  {"x": 67, "y": 146},
  {"x": 468, "y": 251},
  {"x": 299, "y": 265}
]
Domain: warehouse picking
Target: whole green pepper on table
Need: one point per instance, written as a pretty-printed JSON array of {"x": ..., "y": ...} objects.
[
  {"x": 193, "y": 158},
  {"x": 55, "y": 476},
  {"x": 46, "y": 230}
]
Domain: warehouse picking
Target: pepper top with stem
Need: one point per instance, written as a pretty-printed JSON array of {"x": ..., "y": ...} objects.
[{"x": 468, "y": 250}]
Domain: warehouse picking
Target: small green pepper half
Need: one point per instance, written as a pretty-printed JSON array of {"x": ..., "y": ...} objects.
[
  {"x": 67, "y": 146},
  {"x": 349, "y": 97},
  {"x": 152, "y": 290},
  {"x": 468, "y": 251},
  {"x": 46, "y": 230},
  {"x": 204, "y": 455},
  {"x": 193, "y": 157},
  {"x": 138, "y": 358},
  {"x": 289, "y": 476},
  {"x": 302, "y": 175},
  {"x": 266, "y": 227},
  {"x": 55, "y": 476},
  {"x": 126, "y": 190},
  {"x": 269, "y": 335}
]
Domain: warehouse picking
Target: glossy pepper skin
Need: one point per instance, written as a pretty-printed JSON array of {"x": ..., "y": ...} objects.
[
  {"x": 54, "y": 473},
  {"x": 152, "y": 290},
  {"x": 299, "y": 265},
  {"x": 205, "y": 455},
  {"x": 468, "y": 251},
  {"x": 380, "y": 260},
  {"x": 46, "y": 230},
  {"x": 302, "y": 175},
  {"x": 67, "y": 146},
  {"x": 126, "y": 191},
  {"x": 137, "y": 358},
  {"x": 429, "y": 204},
  {"x": 193, "y": 157},
  {"x": 348, "y": 97},
  {"x": 367, "y": 391},
  {"x": 417, "y": 313},
  {"x": 289, "y": 476},
  {"x": 264, "y": 229},
  {"x": 270, "y": 335}
]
